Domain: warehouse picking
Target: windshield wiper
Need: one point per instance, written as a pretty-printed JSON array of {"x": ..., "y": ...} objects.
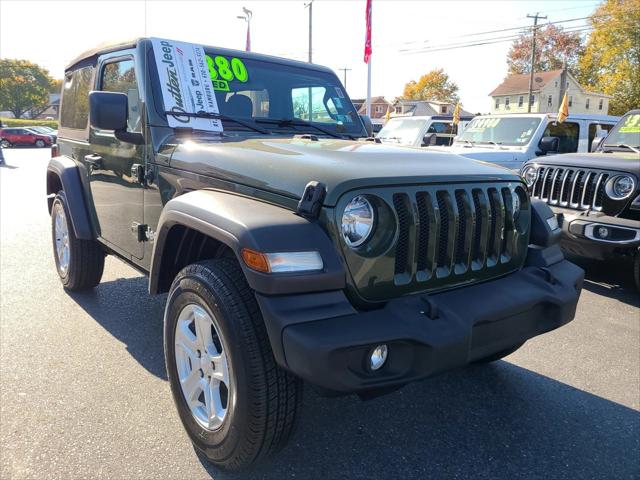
[
  {"x": 220, "y": 116},
  {"x": 285, "y": 122},
  {"x": 624, "y": 145},
  {"x": 468, "y": 141}
]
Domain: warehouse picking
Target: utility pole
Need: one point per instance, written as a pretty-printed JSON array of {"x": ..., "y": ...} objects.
[
  {"x": 533, "y": 56},
  {"x": 345, "y": 70}
]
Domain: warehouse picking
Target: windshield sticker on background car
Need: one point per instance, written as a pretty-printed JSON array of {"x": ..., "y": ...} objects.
[
  {"x": 185, "y": 84},
  {"x": 222, "y": 71},
  {"x": 339, "y": 92},
  {"x": 631, "y": 124},
  {"x": 482, "y": 124}
]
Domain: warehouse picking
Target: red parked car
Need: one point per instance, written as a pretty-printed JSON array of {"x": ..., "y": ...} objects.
[{"x": 21, "y": 136}]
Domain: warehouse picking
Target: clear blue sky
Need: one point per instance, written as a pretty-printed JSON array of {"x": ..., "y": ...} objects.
[{"x": 53, "y": 32}]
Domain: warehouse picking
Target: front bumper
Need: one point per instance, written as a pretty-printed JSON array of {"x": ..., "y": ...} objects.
[
  {"x": 323, "y": 340},
  {"x": 581, "y": 234}
]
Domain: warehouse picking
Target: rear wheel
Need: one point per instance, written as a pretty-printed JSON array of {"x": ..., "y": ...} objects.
[
  {"x": 236, "y": 404},
  {"x": 6, "y": 143},
  {"x": 80, "y": 263}
]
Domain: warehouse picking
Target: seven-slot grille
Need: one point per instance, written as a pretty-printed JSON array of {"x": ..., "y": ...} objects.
[
  {"x": 457, "y": 230},
  {"x": 577, "y": 188}
]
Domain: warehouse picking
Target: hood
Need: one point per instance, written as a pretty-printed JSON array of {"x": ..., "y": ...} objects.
[
  {"x": 488, "y": 153},
  {"x": 285, "y": 165},
  {"x": 619, "y": 161}
]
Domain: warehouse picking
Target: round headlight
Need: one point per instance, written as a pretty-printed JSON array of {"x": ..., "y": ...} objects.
[
  {"x": 357, "y": 221},
  {"x": 529, "y": 173},
  {"x": 620, "y": 187}
]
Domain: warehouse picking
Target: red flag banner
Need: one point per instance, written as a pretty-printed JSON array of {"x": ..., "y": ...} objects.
[{"x": 367, "y": 40}]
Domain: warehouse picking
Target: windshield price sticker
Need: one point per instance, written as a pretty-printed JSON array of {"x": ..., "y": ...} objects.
[
  {"x": 631, "y": 124},
  {"x": 222, "y": 71},
  {"x": 186, "y": 85},
  {"x": 482, "y": 124}
]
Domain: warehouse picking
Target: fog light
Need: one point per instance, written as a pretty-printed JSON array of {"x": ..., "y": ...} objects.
[
  {"x": 378, "y": 357},
  {"x": 603, "y": 232}
]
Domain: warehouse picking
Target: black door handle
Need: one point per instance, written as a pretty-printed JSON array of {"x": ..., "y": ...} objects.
[{"x": 94, "y": 160}]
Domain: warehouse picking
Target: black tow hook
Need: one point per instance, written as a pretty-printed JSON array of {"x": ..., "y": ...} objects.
[{"x": 548, "y": 275}]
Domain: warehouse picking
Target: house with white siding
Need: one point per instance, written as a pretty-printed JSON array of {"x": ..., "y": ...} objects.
[{"x": 547, "y": 93}]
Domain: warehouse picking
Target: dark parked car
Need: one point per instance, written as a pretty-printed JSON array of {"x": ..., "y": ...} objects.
[
  {"x": 596, "y": 196},
  {"x": 289, "y": 249},
  {"x": 22, "y": 136}
]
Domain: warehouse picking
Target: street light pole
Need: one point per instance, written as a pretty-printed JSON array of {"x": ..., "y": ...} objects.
[
  {"x": 310, "y": 7},
  {"x": 533, "y": 56},
  {"x": 345, "y": 70},
  {"x": 247, "y": 18}
]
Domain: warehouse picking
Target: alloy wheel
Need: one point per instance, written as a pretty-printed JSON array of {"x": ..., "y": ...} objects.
[{"x": 203, "y": 366}]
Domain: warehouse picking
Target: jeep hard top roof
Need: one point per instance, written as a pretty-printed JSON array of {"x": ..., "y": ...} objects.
[{"x": 114, "y": 47}]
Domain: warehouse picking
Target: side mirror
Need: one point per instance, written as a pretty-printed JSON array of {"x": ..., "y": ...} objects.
[
  {"x": 596, "y": 142},
  {"x": 108, "y": 110},
  {"x": 368, "y": 126},
  {"x": 429, "y": 139},
  {"x": 549, "y": 145}
]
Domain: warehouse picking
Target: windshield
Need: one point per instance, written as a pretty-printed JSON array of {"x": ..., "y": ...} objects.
[
  {"x": 514, "y": 131},
  {"x": 280, "y": 98},
  {"x": 402, "y": 130},
  {"x": 626, "y": 132}
]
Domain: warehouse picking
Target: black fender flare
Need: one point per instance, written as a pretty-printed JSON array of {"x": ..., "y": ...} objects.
[
  {"x": 240, "y": 222},
  {"x": 63, "y": 173}
]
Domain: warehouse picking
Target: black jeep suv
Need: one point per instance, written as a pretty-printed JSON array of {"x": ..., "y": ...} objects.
[
  {"x": 596, "y": 196},
  {"x": 290, "y": 250}
]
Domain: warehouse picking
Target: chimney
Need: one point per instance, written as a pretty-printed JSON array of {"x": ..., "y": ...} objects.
[{"x": 563, "y": 81}]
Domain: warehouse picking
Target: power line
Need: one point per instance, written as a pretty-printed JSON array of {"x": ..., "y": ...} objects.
[
  {"x": 486, "y": 41},
  {"x": 533, "y": 55}
]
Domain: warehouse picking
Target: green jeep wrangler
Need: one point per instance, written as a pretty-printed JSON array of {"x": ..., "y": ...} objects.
[{"x": 291, "y": 247}]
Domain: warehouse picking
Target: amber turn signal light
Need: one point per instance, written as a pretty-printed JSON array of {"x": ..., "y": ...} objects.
[{"x": 255, "y": 260}]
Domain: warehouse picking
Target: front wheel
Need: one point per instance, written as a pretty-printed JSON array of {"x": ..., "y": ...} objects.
[
  {"x": 40, "y": 143},
  {"x": 80, "y": 263},
  {"x": 236, "y": 404}
]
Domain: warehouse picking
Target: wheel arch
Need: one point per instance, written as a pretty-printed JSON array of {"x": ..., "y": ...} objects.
[
  {"x": 63, "y": 174},
  {"x": 206, "y": 224}
]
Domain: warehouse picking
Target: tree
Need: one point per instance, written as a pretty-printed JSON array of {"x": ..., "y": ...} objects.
[
  {"x": 56, "y": 86},
  {"x": 24, "y": 86},
  {"x": 611, "y": 60},
  {"x": 434, "y": 85},
  {"x": 554, "y": 47}
]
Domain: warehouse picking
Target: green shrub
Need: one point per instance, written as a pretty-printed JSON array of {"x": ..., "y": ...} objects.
[{"x": 25, "y": 122}]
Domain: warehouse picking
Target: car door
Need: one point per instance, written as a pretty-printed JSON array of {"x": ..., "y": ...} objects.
[
  {"x": 114, "y": 167},
  {"x": 21, "y": 137}
]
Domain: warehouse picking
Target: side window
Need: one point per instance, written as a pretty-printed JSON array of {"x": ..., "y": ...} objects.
[
  {"x": 75, "y": 99},
  {"x": 567, "y": 132},
  {"x": 594, "y": 128},
  {"x": 120, "y": 77}
]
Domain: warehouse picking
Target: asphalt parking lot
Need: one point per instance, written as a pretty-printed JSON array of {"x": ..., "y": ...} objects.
[{"x": 84, "y": 391}]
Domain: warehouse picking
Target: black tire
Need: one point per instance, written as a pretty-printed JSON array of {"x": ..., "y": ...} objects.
[
  {"x": 86, "y": 257},
  {"x": 6, "y": 143},
  {"x": 636, "y": 270},
  {"x": 499, "y": 355},
  {"x": 262, "y": 412},
  {"x": 40, "y": 143}
]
